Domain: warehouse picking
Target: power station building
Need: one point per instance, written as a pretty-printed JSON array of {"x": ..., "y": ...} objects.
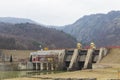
[{"x": 45, "y": 60}]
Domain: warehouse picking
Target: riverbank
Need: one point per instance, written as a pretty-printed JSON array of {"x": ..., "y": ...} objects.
[{"x": 107, "y": 73}]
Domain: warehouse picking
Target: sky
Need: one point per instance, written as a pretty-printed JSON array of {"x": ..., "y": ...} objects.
[{"x": 55, "y": 12}]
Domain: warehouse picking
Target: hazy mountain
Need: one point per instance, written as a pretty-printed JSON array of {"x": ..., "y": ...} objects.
[
  {"x": 14, "y": 20},
  {"x": 31, "y": 36},
  {"x": 56, "y": 27},
  {"x": 103, "y": 29}
]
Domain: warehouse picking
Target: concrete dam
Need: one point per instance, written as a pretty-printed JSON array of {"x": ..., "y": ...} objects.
[{"x": 66, "y": 59}]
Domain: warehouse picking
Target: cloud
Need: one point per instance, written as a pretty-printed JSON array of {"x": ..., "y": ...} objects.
[{"x": 55, "y": 12}]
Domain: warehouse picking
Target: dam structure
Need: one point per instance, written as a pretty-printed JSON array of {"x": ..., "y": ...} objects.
[{"x": 67, "y": 59}]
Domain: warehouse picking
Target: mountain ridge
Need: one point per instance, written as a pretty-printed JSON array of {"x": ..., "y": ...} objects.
[
  {"x": 103, "y": 29},
  {"x": 15, "y": 20}
]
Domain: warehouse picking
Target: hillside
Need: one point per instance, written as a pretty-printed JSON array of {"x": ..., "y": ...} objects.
[
  {"x": 31, "y": 36},
  {"x": 113, "y": 57},
  {"x": 103, "y": 29}
]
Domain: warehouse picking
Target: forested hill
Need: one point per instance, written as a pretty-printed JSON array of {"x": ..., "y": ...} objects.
[
  {"x": 31, "y": 36},
  {"x": 103, "y": 29}
]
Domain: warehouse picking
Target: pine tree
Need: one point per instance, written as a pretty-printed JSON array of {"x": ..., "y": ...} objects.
[
  {"x": 11, "y": 60},
  {"x": 30, "y": 58}
]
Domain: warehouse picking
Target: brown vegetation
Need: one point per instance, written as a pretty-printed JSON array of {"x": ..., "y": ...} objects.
[
  {"x": 113, "y": 57},
  {"x": 31, "y": 36}
]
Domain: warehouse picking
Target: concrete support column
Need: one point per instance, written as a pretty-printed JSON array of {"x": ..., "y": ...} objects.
[
  {"x": 41, "y": 66},
  {"x": 100, "y": 56},
  {"x": 88, "y": 59},
  {"x": 47, "y": 66},
  {"x": 61, "y": 59},
  {"x": 52, "y": 68},
  {"x": 73, "y": 61},
  {"x": 36, "y": 66},
  {"x": 105, "y": 51}
]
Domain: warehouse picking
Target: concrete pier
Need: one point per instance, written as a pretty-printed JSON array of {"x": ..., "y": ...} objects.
[
  {"x": 105, "y": 51},
  {"x": 88, "y": 59},
  {"x": 61, "y": 59},
  {"x": 36, "y": 66},
  {"x": 101, "y": 53},
  {"x": 52, "y": 68},
  {"x": 73, "y": 62},
  {"x": 47, "y": 66},
  {"x": 41, "y": 66}
]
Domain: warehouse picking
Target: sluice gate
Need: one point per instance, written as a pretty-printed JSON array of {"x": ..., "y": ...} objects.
[{"x": 82, "y": 59}]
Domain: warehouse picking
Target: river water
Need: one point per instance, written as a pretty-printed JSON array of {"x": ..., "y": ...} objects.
[{"x": 16, "y": 74}]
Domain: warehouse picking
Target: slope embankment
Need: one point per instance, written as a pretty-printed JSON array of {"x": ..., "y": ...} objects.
[{"x": 113, "y": 57}]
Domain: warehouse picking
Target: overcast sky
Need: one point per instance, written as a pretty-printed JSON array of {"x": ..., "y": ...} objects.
[{"x": 55, "y": 12}]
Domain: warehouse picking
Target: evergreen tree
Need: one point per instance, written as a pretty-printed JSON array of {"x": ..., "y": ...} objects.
[
  {"x": 30, "y": 58},
  {"x": 11, "y": 60}
]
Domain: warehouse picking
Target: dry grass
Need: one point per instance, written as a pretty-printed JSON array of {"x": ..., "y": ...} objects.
[
  {"x": 112, "y": 72},
  {"x": 112, "y": 57},
  {"x": 100, "y": 74},
  {"x": 23, "y": 79},
  {"x": 18, "y": 54}
]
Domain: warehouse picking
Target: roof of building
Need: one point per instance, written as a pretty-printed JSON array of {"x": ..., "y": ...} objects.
[{"x": 48, "y": 52}]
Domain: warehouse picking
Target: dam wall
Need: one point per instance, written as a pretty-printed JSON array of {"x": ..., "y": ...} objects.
[{"x": 67, "y": 59}]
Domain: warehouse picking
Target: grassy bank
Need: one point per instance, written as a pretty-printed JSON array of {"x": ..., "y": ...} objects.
[
  {"x": 8, "y": 74},
  {"x": 20, "y": 74}
]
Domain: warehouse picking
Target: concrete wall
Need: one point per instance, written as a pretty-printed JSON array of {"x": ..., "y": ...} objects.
[{"x": 74, "y": 59}]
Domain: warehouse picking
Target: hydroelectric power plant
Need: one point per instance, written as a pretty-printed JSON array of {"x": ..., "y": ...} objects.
[
  {"x": 67, "y": 59},
  {"x": 91, "y": 61}
]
